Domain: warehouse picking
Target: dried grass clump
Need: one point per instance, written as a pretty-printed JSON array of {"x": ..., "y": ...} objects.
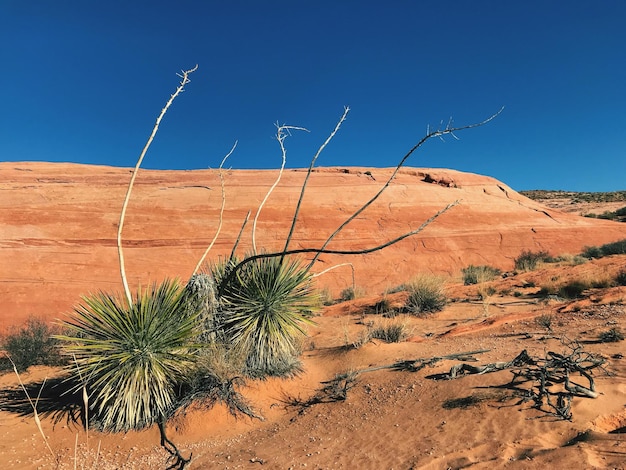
[
  {"x": 530, "y": 260},
  {"x": 426, "y": 295},
  {"x": 477, "y": 274},
  {"x": 391, "y": 332}
]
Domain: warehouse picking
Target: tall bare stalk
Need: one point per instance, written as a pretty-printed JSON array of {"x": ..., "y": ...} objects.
[
  {"x": 184, "y": 81},
  {"x": 346, "y": 110},
  {"x": 281, "y": 135},
  {"x": 221, "y": 218}
]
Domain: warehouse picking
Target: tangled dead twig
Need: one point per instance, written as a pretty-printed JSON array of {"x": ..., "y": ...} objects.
[
  {"x": 543, "y": 374},
  {"x": 338, "y": 387}
]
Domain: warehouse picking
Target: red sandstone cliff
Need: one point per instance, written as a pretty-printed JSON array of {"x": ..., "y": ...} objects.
[{"x": 58, "y": 226}]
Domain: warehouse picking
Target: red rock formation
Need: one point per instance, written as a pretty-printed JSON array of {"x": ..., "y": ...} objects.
[{"x": 58, "y": 226}]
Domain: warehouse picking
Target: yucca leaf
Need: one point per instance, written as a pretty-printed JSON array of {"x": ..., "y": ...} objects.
[{"x": 132, "y": 355}]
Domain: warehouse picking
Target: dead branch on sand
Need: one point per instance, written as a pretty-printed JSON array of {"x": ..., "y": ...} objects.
[
  {"x": 337, "y": 388},
  {"x": 543, "y": 375}
]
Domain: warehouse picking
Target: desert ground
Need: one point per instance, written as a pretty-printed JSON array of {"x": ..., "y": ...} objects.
[{"x": 398, "y": 406}]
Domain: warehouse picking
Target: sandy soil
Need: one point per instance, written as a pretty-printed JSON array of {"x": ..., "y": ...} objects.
[{"x": 391, "y": 419}]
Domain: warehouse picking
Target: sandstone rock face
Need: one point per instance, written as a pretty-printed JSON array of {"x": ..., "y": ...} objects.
[{"x": 58, "y": 226}]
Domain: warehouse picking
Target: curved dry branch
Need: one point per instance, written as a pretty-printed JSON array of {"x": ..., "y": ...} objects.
[
  {"x": 448, "y": 130},
  {"x": 339, "y": 266},
  {"x": 318, "y": 251},
  {"x": 184, "y": 80},
  {"x": 281, "y": 135},
  {"x": 346, "y": 110},
  {"x": 221, "y": 218},
  {"x": 236, "y": 244}
]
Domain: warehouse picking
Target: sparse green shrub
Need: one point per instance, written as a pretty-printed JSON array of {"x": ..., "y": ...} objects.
[
  {"x": 350, "y": 293},
  {"x": 601, "y": 283},
  {"x": 573, "y": 289},
  {"x": 573, "y": 260},
  {"x": 31, "y": 344},
  {"x": 528, "y": 260},
  {"x": 485, "y": 292},
  {"x": 426, "y": 295},
  {"x": 477, "y": 274},
  {"x": 382, "y": 307},
  {"x": 615, "y": 248},
  {"x": 396, "y": 289},
  {"x": 517, "y": 294},
  {"x": 364, "y": 337},
  {"x": 613, "y": 335},
  {"x": 620, "y": 278},
  {"x": 347, "y": 294},
  {"x": 390, "y": 333},
  {"x": 548, "y": 290},
  {"x": 590, "y": 252}
]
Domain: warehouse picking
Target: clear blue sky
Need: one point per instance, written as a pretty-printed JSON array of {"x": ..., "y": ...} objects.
[{"x": 83, "y": 81}]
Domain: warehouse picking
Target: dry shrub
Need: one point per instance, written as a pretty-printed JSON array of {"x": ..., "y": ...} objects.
[
  {"x": 426, "y": 295},
  {"x": 390, "y": 332}
]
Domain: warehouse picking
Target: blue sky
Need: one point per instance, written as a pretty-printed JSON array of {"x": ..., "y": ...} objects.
[{"x": 84, "y": 80}]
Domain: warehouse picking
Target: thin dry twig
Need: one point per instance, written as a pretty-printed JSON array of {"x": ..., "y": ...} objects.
[
  {"x": 346, "y": 110},
  {"x": 184, "y": 81},
  {"x": 221, "y": 217},
  {"x": 34, "y": 406},
  {"x": 429, "y": 135},
  {"x": 281, "y": 134}
]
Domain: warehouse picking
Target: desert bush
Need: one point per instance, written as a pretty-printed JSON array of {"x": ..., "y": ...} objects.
[
  {"x": 544, "y": 321},
  {"x": 325, "y": 297},
  {"x": 615, "y": 248},
  {"x": 486, "y": 292},
  {"x": 477, "y": 274},
  {"x": 382, "y": 307},
  {"x": 351, "y": 293},
  {"x": 613, "y": 335},
  {"x": 363, "y": 337},
  {"x": 426, "y": 295},
  {"x": 573, "y": 289},
  {"x": 398, "y": 288},
  {"x": 528, "y": 260},
  {"x": 132, "y": 356},
  {"x": 570, "y": 290},
  {"x": 393, "y": 332},
  {"x": 620, "y": 278},
  {"x": 265, "y": 309},
  {"x": 573, "y": 260},
  {"x": 347, "y": 294},
  {"x": 32, "y": 343}
]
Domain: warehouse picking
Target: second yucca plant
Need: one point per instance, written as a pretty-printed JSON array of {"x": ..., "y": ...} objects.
[{"x": 266, "y": 307}]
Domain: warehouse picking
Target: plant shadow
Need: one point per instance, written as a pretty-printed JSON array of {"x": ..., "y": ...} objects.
[{"x": 56, "y": 398}]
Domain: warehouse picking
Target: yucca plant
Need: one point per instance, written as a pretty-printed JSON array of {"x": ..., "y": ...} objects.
[
  {"x": 132, "y": 356},
  {"x": 266, "y": 307}
]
